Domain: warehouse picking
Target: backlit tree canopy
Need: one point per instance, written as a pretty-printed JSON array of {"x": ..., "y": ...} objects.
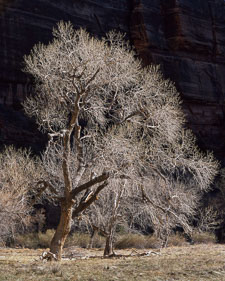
[{"x": 111, "y": 122}]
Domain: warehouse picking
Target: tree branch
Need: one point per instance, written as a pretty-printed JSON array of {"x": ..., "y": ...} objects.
[
  {"x": 92, "y": 78},
  {"x": 88, "y": 184},
  {"x": 66, "y": 147},
  {"x": 83, "y": 205},
  {"x": 135, "y": 113}
]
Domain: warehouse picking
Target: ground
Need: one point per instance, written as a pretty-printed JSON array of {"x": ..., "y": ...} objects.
[{"x": 198, "y": 262}]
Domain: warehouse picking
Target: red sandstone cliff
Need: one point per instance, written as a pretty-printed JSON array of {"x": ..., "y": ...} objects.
[{"x": 186, "y": 37}]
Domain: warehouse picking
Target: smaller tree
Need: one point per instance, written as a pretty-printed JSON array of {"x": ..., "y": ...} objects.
[
  {"x": 208, "y": 219},
  {"x": 172, "y": 192},
  {"x": 18, "y": 171},
  {"x": 216, "y": 207},
  {"x": 109, "y": 211}
]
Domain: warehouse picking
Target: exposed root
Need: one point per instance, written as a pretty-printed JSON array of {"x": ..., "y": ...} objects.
[{"x": 48, "y": 256}]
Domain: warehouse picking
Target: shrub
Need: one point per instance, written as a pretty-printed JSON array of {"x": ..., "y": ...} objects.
[
  {"x": 204, "y": 237},
  {"x": 28, "y": 240},
  {"x": 45, "y": 238},
  {"x": 177, "y": 240},
  {"x": 131, "y": 241},
  {"x": 17, "y": 171},
  {"x": 34, "y": 240},
  {"x": 139, "y": 241},
  {"x": 82, "y": 240}
]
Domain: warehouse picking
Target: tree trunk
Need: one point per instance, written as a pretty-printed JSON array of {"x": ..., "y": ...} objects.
[
  {"x": 62, "y": 230},
  {"x": 109, "y": 245},
  {"x": 112, "y": 222}
]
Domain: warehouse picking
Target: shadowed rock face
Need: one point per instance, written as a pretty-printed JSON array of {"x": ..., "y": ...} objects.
[
  {"x": 24, "y": 23},
  {"x": 186, "y": 37}
]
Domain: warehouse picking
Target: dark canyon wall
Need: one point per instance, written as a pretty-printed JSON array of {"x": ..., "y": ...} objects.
[{"x": 186, "y": 37}]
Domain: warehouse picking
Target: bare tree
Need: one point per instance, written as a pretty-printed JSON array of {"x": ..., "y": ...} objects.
[
  {"x": 17, "y": 173},
  {"x": 163, "y": 184},
  {"x": 173, "y": 188},
  {"x": 208, "y": 219},
  {"x": 108, "y": 212},
  {"x": 108, "y": 120},
  {"x": 80, "y": 81}
]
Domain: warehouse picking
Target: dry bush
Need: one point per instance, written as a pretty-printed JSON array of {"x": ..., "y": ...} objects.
[
  {"x": 17, "y": 173},
  {"x": 28, "y": 240},
  {"x": 34, "y": 240},
  {"x": 78, "y": 239},
  {"x": 45, "y": 238},
  {"x": 82, "y": 240},
  {"x": 126, "y": 241},
  {"x": 204, "y": 237},
  {"x": 152, "y": 242},
  {"x": 137, "y": 241},
  {"x": 177, "y": 240}
]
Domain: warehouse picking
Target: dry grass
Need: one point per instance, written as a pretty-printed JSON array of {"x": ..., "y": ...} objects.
[
  {"x": 127, "y": 241},
  {"x": 34, "y": 240},
  {"x": 204, "y": 238},
  {"x": 124, "y": 241},
  {"x": 42, "y": 240},
  {"x": 138, "y": 241},
  {"x": 191, "y": 263},
  {"x": 82, "y": 240}
]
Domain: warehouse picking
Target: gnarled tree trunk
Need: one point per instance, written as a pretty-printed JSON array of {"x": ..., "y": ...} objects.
[{"x": 62, "y": 230}]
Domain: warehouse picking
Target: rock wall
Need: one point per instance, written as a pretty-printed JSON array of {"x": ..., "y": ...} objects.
[
  {"x": 186, "y": 37},
  {"x": 24, "y": 23}
]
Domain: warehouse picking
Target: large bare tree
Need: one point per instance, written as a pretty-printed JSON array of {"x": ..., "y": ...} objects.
[
  {"x": 108, "y": 120},
  {"x": 81, "y": 87}
]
